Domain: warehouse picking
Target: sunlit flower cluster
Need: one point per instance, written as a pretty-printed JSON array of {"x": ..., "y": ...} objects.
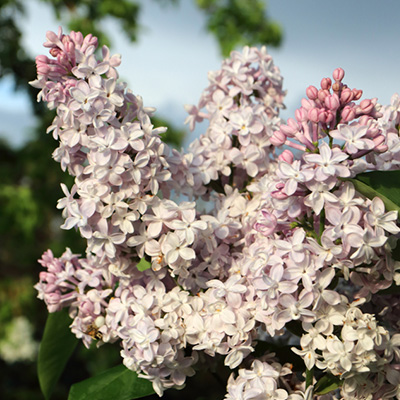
[{"x": 290, "y": 252}]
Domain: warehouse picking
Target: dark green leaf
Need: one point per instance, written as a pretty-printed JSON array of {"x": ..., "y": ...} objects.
[
  {"x": 383, "y": 184},
  {"x": 295, "y": 328},
  {"x": 284, "y": 353},
  {"x": 326, "y": 384},
  {"x": 118, "y": 383},
  {"x": 57, "y": 346},
  {"x": 396, "y": 251}
]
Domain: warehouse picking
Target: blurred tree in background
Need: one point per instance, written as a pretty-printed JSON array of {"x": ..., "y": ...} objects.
[{"x": 30, "y": 180}]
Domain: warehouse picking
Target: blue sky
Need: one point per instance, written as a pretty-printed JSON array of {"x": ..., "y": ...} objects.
[{"x": 169, "y": 64}]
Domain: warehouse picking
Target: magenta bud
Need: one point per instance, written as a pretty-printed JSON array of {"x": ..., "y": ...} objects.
[
  {"x": 346, "y": 96},
  {"x": 338, "y": 74},
  {"x": 313, "y": 115},
  {"x": 326, "y": 83},
  {"x": 332, "y": 102},
  {"x": 357, "y": 94},
  {"x": 348, "y": 114},
  {"x": 312, "y": 92},
  {"x": 286, "y": 156}
]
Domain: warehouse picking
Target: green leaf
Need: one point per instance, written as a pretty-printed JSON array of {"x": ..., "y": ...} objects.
[
  {"x": 309, "y": 377},
  {"x": 326, "y": 384},
  {"x": 118, "y": 383},
  {"x": 143, "y": 264},
  {"x": 56, "y": 347},
  {"x": 383, "y": 184}
]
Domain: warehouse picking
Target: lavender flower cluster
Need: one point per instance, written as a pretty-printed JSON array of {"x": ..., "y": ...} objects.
[{"x": 289, "y": 241}]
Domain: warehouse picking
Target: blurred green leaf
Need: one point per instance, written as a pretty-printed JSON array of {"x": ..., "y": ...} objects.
[
  {"x": 56, "y": 347},
  {"x": 118, "y": 383},
  {"x": 240, "y": 22},
  {"x": 382, "y": 184},
  {"x": 327, "y": 384}
]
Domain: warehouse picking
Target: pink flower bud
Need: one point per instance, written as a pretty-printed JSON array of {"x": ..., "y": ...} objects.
[
  {"x": 312, "y": 92},
  {"x": 326, "y": 83},
  {"x": 313, "y": 115},
  {"x": 52, "y": 38},
  {"x": 346, "y": 96},
  {"x": 77, "y": 37},
  {"x": 89, "y": 40},
  {"x": 364, "y": 119},
  {"x": 357, "y": 94},
  {"x": 307, "y": 104},
  {"x": 366, "y": 106},
  {"x": 301, "y": 114},
  {"x": 348, "y": 114},
  {"x": 322, "y": 95},
  {"x": 279, "y": 194},
  {"x": 325, "y": 116},
  {"x": 286, "y": 156},
  {"x": 69, "y": 46},
  {"x": 330, "y": 116},
  {"x": 378, "y": 140},
  {"x": 55, "y": 51},
  {"x": 291, "y": 128},
  {"x": 381, "y": 148},
  {"x": 278, "y": 138},
  {"x": 332, "y": 102},
  {"x": 338, "y": 74}
]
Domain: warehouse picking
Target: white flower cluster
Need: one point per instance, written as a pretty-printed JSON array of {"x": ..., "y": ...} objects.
[
  {"x": 290, "y": 245},
  {"x": 18, "y": 344}
]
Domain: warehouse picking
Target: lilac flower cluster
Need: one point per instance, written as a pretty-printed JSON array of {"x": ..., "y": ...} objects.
[
  {"x": 289, "y": 245},
  {"x": 242, "y": 105}
]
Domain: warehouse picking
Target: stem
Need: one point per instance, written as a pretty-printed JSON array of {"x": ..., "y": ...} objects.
[
  {"x": 321, "y": 225},
  {"x": 309, "y": 377}
]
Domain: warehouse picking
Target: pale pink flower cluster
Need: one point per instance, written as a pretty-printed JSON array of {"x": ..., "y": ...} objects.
[
  {"x": 242, "y": 104},
  {"x": 259, "y": 382},
  {"x": 289, "y": 244}
]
